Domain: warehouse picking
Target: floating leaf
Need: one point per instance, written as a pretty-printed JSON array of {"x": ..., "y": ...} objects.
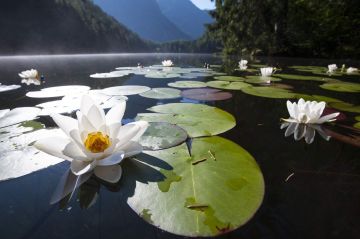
[
  {"x": 162, "y": 136},
  {"x": 162, "y": 93},
  {"x": 162, "y": 75},
  {"x": 112, "y": 74},
  {"x": 342, "y": 87},
  {"x": 206, "y": 94},
  {"x": 229, "y": 78},
  {"x": 281, "y": 86},
  {"x": 260, "y": 79},
  {"x": 227, "y": 85},
  {"x": 18, "y": 157},
  {"x": 306, "y": 78},
  {"x": 18, "y": 115},
  {"x": 343, "y": 106},
  {"x": 187, "y": 84},
  {"x": 317, "y": 98},
  {"x": 197, "y": 119},
  {"x": 213, "y": 191},
  {"x": 58, "y": 91},
  {"x": 269, "y": 92},
  {"x": 4, "y": 88},
  {"x": 125, "y": 90}
]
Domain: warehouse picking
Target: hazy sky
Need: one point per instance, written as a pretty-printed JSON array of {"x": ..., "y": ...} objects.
[{"x": 204, "y": 4}]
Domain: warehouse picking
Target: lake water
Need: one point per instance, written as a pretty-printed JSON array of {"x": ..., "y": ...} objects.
[{"x": 311, "y": 190}]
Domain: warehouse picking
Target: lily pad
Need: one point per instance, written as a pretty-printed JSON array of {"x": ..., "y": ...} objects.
[
  {"x": 206, "y": 94},
  {"x": 216, "y": 189},
  {"x": 162, "y": 93},
  {"x": 187, "y": 84},
  {"x": 18, "y": 115},
  {"x": 260, "y": 79},
  {"x": 162, "y": 136},
  {"x": 197, "y": 119},
  {"x": 342, "y": 87},
  {"x": 4, "y": 88},
  {"x": 317, "y": 98},
  {"x": 125, "y": 90},
  {"x": 269, "y": 92},
  {"x": 227, "y": 85},
  {"x": 343, "y": 106},
  {"x": 19, "y": 158},
  {"x": 229, "y": 78},
  {"x": 162, "y": 75},
  {"x": 304, "y": 78},
  {"x": 58, "y": 91},
  {"x": 113, "y": 74}
]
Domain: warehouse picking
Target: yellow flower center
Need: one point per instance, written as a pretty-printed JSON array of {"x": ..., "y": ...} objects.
[{"x": 97, "y": 142}]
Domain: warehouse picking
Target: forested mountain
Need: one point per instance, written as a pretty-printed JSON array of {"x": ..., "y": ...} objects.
[
  {"x": 320, "y": 28},
  {"x": 143, "y": 17},
  {"x": 186, "y": 16},
  {"x": 62, "y": 26}
]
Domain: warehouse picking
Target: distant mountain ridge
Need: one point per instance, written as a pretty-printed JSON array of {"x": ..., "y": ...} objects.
[
  {"x": 143, "y": 17},
  {"x": 186, "y": 16},
  {"x": 61, "y": 26}
]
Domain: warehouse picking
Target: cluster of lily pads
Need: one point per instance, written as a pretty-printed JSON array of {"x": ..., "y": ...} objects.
[{"x": 177, "y": 164}]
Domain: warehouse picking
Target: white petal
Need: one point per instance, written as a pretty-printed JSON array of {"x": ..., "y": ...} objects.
[
  {"x": 73, "y": 151},
  {"x": 85, "y": 126},
  {"x": 53, "y": 146},
  {"x": 290, "y": 108},
  {"x": 86, "y": 103},
  {"x": 116, "y": 113},
  {"x": 114, "y": 130},
  {"x": 96, "y": 116},
  {"x": 143, "y": 125},
  {"x": 116, "y": 158},
  {"x": 111, "y": 174},
  {"x": 328, "y": 118},
  {"x": 132, "y": 148},
  {"x": 65, "y": 123},
  {"x": 126, "y": 134},
  {"x": 81, "y": 167}
]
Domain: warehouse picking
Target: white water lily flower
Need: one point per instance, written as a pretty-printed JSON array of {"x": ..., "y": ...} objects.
[
  {"x": 267, "y": 71},
  {"x": 30, "y": 77},
  {"x": 332, "y": 68},
  {"x": 95, "y": 141},
  {"x": 308, "y": 112},
  {"x": 351, "y": 70},
  {"x": 306, "y": 131},
  {"x": 167, "y": 63},
  {"x": 243, "y": 64}
]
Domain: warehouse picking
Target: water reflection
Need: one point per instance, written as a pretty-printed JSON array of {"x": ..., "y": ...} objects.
[{"x": 306, "y": 131}]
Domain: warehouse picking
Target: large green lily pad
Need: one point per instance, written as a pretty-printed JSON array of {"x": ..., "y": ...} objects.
[
  {"x": 229, "y": 78},
  {"x": 227, "y": 85},
  {"x": 216, "y": 189},
  {"x": 260, "y": 79},
  {"x": 317, "y": 98},
  {"x": 304, "y": 78},
  {"x": 162, "y": 136},
  {"x": 342, "y": 87},
  {"x": 187, "y": 84},
  {"x": 125, "y": 90},
  {"x": 269, "y": 92},
  {"x": 197, "y": 119},
  {"x": 343, "y": 106},
  {"x": 162, "y": 93}
]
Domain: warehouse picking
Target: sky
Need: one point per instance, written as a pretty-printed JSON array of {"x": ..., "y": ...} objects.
[{"x": 204, "y": 4}]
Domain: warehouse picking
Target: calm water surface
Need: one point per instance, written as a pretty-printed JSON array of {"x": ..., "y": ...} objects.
[{"x": 320, "y": 200}]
